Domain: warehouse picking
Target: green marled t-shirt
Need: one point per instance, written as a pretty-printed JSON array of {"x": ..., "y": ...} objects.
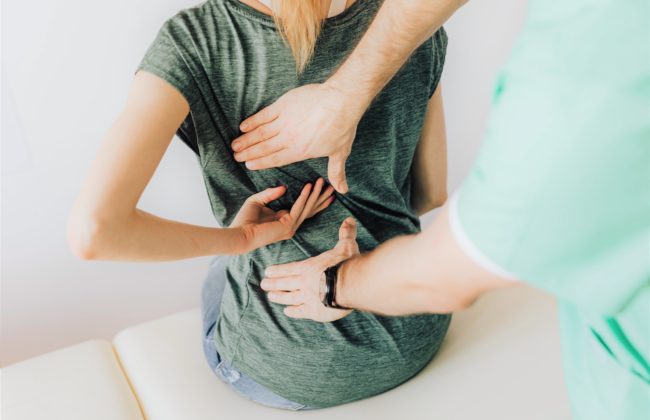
[{"x": 228, "y": 61}]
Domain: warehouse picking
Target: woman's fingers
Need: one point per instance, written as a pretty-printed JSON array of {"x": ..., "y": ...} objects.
[
  {"x": 325, "y": 195},
  {"x": 268, "y": 195},
  {"x": 322, "y": 206},
  {"x": 311, "y": 201},
  {"x": 326, "y": 198},
  {"x": 287, "y": 298},
  {"x": 299, "y": 204}
]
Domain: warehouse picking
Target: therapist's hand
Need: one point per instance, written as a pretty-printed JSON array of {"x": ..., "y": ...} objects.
[
  {"x": 316, "y": 120},
  {"x": 297, "y": 284}
]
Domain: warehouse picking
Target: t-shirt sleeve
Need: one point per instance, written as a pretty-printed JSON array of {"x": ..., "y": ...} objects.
[
  {"x": 559, "y": 204},
  {"x": 439, "y": 51},
  {"x": 169, "y": 58}
]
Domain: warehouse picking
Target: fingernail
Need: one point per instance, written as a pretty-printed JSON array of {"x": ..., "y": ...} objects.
[
  {"x": 243, "y": 126},
  {"x": 235, "y": 146},
  {"x": 263, "y": 284}
]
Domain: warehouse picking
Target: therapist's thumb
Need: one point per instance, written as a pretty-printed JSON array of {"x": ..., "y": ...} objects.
[
  {"x": 347, "y": 244},
  {"x": 336, "y": 172}
]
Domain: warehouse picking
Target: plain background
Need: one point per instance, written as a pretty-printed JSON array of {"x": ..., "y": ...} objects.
[{"x": 67, "y": 66}]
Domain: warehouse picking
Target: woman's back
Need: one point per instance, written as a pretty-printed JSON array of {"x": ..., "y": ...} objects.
[{"x": 229, "y": 61}]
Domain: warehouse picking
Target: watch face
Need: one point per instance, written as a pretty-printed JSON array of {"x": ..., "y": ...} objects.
[{"x": 322, "y": 287}]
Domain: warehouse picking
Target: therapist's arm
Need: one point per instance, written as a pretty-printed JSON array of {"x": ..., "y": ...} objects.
[
  {"x": 427, "y": 272},
  {"x": 320, "y": 120}
]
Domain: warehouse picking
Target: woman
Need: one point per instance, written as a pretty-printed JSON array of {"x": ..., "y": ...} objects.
[{"x": 211, "y": 66}]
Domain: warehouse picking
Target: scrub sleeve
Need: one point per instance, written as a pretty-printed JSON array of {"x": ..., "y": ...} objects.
[{"x": 559, "y": 196}]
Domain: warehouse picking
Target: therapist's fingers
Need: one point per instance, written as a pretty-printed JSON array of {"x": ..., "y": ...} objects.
[
  {"x": 348, "y": 230},
  {"x": 336, "y": 171},
  {"x": 264, "y": 116},
  {"x": 284, "y": 270},
  {"x": 347, "y": 244},
  {"x": 281, "y": 284},
  {"x": 260, "y": 134},
  {"x": 297, "y": 311},
  {"x": 287, "y": 298},
  {"x": 259, "y": 150},
  {"x": 274, "y": 160}
]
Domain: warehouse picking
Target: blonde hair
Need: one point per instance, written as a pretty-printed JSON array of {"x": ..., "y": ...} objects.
[{"x": 299, "y": 23}]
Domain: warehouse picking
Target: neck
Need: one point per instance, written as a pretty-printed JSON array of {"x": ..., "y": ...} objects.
[{"x": 261, "y": 7}]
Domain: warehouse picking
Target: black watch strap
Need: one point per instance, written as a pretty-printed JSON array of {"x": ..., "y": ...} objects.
[{"x": 331, "y": 278}]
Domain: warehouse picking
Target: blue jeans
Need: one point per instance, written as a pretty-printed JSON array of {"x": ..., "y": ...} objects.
[{"x": 211, "y": 294}]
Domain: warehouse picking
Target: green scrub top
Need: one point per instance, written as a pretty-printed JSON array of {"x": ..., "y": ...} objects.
[{"x": 559, "y": 196}]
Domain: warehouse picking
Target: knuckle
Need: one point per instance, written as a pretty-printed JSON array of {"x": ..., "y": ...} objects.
[{"x": 260, "y": 134}]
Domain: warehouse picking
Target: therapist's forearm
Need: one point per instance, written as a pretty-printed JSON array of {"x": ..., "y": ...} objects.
[
  {"x": 398, "y": 29},
  {"x": 422, "y": 273}
]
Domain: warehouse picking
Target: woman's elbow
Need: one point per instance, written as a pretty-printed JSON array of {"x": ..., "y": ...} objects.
[
  {"x": 83, "y": 232},
  {"x": 432, "y": 202},
  {"x": 439, "y": 200}
]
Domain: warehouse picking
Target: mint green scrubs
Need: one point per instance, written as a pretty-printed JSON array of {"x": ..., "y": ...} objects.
[{"x": 560, "y": 194}]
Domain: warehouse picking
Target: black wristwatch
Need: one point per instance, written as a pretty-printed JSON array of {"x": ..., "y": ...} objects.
[{"x": 328, "y": 289}]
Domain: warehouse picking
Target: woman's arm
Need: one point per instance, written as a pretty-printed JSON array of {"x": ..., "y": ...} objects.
[
  {"x": 105, "y": 223},
  {"x": 429, "y": 170}
]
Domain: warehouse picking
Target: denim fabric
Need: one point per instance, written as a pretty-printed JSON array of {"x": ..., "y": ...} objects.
[{"x": 211, "y": 294}]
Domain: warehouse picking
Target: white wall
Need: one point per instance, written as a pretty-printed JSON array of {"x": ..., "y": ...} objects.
[{"x": 66, "y": 69}]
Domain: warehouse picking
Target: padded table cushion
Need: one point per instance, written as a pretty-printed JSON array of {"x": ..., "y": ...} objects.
[
  {"x": 501, "y": 360},
  {"x": 80, "y": 382}
]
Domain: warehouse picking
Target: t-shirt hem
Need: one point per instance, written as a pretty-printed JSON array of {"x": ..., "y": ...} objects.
[{"x": 469, "y": 247}]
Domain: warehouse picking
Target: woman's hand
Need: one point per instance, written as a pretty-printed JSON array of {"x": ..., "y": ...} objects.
[
  {"x": 316, "y": 120},
  {"x": 261, "y": 225},
  {"x": 298, "y": 284}
]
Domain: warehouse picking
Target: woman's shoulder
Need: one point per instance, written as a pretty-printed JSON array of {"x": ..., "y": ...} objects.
[{"x": 189, "y": 19}]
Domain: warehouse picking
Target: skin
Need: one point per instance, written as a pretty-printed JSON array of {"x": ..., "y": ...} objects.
[
  {"x": 320, "y": 120},
  {"x": 429, "y": 172},
  {"x": 426, "y": 272},
  {"x": 105, "y": 223},
  {"x": 440, "y": 277},
  {"x": 264, "y": 9}
]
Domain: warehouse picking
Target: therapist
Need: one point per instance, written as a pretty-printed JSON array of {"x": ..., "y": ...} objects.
[{"x": 559, "y": 196}]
